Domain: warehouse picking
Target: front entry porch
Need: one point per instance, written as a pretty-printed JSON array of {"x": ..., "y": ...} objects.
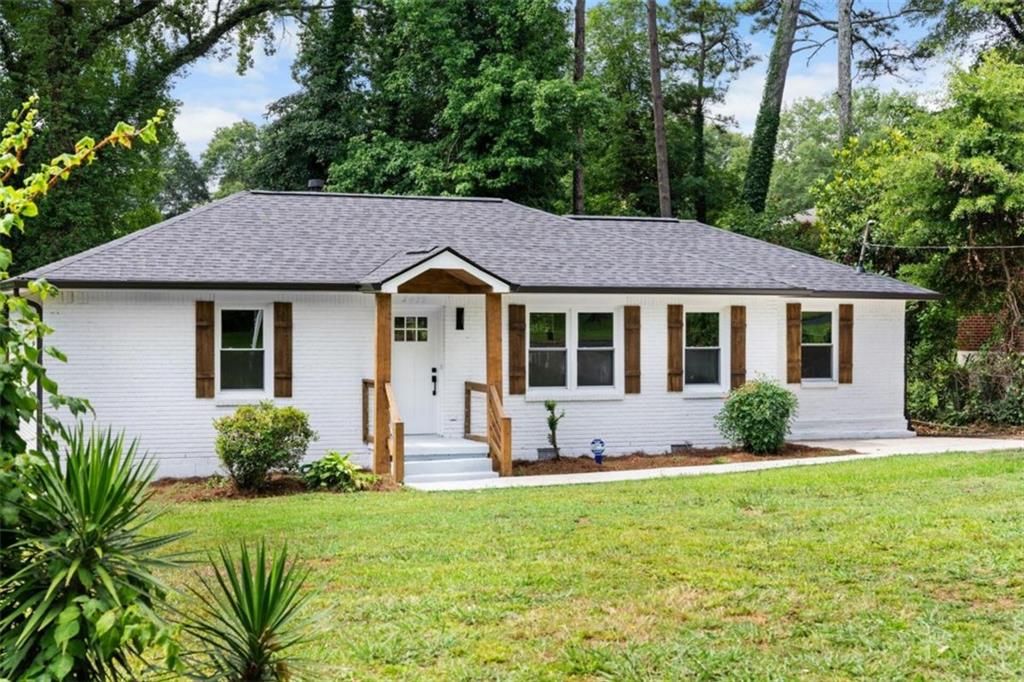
[{"x": 408, "y": 374}]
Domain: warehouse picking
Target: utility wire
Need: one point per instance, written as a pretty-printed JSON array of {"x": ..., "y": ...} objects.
[{"x": 947, "y": 248}]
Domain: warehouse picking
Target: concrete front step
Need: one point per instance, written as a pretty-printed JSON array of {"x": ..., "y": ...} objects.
[
  {"x": 449, "y": 465},
  {"x": 450, "y": 477}
]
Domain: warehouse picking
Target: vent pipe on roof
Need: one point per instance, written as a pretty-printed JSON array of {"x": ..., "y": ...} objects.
[{"x": 315, "y": 185}]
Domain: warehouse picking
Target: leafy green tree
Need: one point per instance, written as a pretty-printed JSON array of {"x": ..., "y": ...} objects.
[
  {"x": 93, "y": 62},
  {"x": 968, "y": 26},
  {"x": 947, "y": 180},
  {"x": 183, "y": 182},
  {"x": 230, "y": 159},
  {"x": 704, "y": 47},
  {"x": 310, "y": 127},
  {"x": 465, "y": 98}
]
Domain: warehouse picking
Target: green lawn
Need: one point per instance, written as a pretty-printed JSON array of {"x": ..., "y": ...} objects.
[{"x": 903, "y": 567}]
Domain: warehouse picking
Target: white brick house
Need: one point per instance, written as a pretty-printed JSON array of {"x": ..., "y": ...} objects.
[{"x": 638, "y": 328}]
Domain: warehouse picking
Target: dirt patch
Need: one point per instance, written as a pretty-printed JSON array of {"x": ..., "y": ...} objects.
[
  {"x": 641, "y": 460},
  {"x": 208, "y": 488},
  {"x": 978, "y": 430}
]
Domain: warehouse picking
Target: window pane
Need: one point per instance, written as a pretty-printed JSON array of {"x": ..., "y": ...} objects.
[
  {"x": 596, "y": 330},
  {"x": 547, "y": 368},
  {"x": 702, "y": 329},
  {"x": 817, "y": 362},
  {"x": 399, "y": 335},
  {"x": 595, "y": 367},
  {"x": 241, "y": 369},
  {"x": 817, "y": 327},
  {"x": 702, "y": 366},
  {"x": 421, "y": 322},
  {"x": 241, "y": 329},
  {"x": 421, "y": 335},
  {"x": 547, "y": 330},
  {"x": 399, "y": 323}
]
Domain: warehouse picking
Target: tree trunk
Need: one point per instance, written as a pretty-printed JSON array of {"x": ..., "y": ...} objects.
[
  {"x": 660, "y": 141},
  {"x": 844, "y": 35},
  {"x": 766, "y": 130},
  {"x": 577, "y": 77}
]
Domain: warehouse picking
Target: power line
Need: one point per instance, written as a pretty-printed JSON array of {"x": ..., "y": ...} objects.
[{"x": 950, "y": 247}]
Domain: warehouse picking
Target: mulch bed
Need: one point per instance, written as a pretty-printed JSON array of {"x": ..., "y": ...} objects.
[
  {"x": 209, "y": 488},
  {"x": 640, "y": 460},
  {"x": 978, "y": 430}
]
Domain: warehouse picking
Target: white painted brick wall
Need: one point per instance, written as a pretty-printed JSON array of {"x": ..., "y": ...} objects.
[{"x": 132, "y": 353}]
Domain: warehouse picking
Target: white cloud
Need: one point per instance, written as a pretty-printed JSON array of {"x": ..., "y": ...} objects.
[{"x": 195, "y": 124}]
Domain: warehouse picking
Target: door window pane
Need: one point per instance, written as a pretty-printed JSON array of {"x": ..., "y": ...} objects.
[
  {"x": 702, "y": 366},
  {"x": 411, "y": 329},
  {"x": 241, "y": 349}
]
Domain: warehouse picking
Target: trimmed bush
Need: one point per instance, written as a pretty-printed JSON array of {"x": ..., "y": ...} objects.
[
  {"x": 336, "y": 472},
  {"x": 758, "y": 416},
  {"x": 259, "y": 439}
]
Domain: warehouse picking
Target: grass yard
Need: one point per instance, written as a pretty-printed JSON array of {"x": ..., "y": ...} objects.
[{"x": 893, "y": 568}]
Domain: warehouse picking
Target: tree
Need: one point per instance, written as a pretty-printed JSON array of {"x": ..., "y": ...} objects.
[
  {"x": 580, "y": 49},
  {"x": 945, "y": 183},
  {"x": 310, "y": 128},
  {"x": 766, "y": 128},
  {"x": 658, "y": 105},
  {"x": 465, "y": 98},
  {"x": 968, "y": 26},
  {"x": 704, "y": 48},
  {"x": 93, "y": 62},
  {"x": 230, "y": 158},
  {"x": 184, "y": 183},
  {"x": 844, "y": 53}
]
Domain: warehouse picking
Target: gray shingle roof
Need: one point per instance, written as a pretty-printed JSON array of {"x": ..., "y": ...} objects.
[{"x": 316, "y": 240}]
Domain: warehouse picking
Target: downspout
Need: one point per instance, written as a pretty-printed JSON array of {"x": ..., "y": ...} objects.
[{"x": 38, "y": 307}]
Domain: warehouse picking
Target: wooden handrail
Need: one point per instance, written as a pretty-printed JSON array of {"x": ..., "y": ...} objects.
[
  {"x": 467, "y": 417},
  {"x": 499, "y": 433},
  {"x": 396, "y": 437},
  {"x": 367, "y": 422}
]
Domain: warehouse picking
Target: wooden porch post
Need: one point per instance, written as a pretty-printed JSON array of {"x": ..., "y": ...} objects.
[
  {"x": 493, "y": 330},
  {"x": 382, "y": 377}
]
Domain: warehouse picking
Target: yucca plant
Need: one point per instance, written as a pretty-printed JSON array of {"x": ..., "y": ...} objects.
[
  {"x": 248, "y": 618},
  {"x": 80, "y": 604}
]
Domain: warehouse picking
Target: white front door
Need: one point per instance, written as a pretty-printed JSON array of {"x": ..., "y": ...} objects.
[{"x": 415, "y": 374}]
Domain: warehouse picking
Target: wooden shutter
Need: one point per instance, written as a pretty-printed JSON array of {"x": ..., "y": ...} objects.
[
  {"x": 204, "y": 349},
  {"x": 846, "y": 343},
  {"x": 675, "y": 347},
  {"x": 282, "y": 350},
  {"x": 794, "y": 330},
  {"x": 631, "y": 315},
  {"x": 738, "y": 346},
  {"x": 516, "y": 349}
]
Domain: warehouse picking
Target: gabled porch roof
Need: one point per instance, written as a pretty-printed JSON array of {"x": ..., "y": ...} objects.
[{"x": 433, "y": 270}]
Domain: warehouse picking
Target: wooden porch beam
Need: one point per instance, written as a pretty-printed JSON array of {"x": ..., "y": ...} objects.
[
  {"x": 492, "y": 313},
  {"x": 382, "y": 377}
]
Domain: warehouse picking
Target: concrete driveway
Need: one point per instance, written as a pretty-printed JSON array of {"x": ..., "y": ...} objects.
[{"x": 865, "y": 449}]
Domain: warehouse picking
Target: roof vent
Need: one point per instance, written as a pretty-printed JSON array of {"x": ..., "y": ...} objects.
[{"x": 315, "y": 185}]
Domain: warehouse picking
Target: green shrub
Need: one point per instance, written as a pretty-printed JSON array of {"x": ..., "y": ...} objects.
[
  {"x": 81, "y": 603},
  {"x": 259, "y": 439},
  {"x": 248, "y": 619},
  {"x": 758, "y": 416},
  {"x": 337, "y": 472},
  {"x": 989, "y": 387}
]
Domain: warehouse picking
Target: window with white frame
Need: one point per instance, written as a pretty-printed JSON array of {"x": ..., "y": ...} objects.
[
  {"x": 595, "y": 349},
  {"x": 548, "y": 350},
  {"x": 571, "y": 349},
  {"x": 816, "y": 345},
  {"x": 703, "y": 349},
  {"x": 241, "y": 349}
]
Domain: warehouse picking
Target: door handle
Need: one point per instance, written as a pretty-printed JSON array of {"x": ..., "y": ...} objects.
[{"x": 433, "y": 380}]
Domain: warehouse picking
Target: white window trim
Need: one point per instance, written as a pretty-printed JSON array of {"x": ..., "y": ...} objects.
[
  {"x": 833, "y": 378},
  {"x": 571, "y": 391},
  {"x": 244, "y": 395},
  {"x": 721, "y": 389}
]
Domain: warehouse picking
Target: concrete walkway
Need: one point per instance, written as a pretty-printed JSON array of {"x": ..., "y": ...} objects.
[{"x": 865, "y": 449}]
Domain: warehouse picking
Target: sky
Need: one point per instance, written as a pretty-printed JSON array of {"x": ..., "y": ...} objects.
[{"x": 212, "y": 94}]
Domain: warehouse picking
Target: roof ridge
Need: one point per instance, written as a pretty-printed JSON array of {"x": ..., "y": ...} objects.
[
  {"x": 44, "y": 270},
  {"x": 621, "y": 218},
  {"x": 358, "y": 195}
]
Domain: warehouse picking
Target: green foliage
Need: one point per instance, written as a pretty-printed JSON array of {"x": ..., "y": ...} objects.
[
  {"x": 335, "y": 471},
  {"x": 554, "y": 418},
  {"x": 259, "y": 439},
  {"x": 230, "y": 158},
  {"x": 772, "y": 227},
  {"x": 184, "y": 182},
  {"x": 988, "y": 387},
  {"x": 758, "y": 416},
  {"x": 249, "y": 618},
  {"x": 80, "y": 603}
]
